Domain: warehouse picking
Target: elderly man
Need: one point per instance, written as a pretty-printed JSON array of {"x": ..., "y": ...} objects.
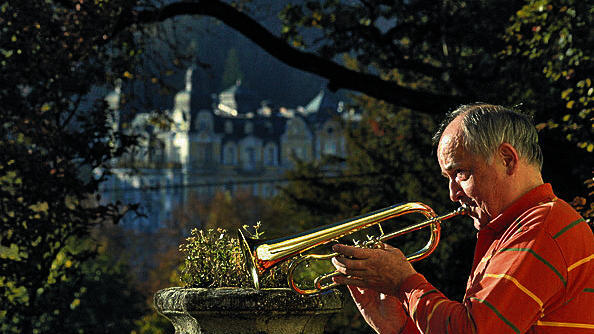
[{"x": 533, "y": 263}]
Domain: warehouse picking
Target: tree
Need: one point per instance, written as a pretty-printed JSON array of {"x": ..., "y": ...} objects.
[
  {"x": 232, "y": 211},
  {"x": 554, "y": 35},
  {"x": 149, "y": 269},
  {"x": 53, "y": 134},
  {"x": 108, "y": 300}
]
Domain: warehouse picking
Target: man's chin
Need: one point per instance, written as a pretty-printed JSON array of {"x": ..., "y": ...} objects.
[
  {"x": 478, "y": 220},
  {"x": 479, "y": 223}
]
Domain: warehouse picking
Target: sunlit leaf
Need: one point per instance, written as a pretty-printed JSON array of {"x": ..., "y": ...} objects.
[
  {"x": 39, "y": 207},
  {"x": 566, "y": 93}
]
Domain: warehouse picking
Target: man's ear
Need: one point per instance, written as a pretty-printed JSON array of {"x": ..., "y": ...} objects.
[{"x": 509, "y": 157}]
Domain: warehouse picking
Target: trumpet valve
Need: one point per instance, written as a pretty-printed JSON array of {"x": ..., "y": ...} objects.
[{"x": 372, "y": 242}]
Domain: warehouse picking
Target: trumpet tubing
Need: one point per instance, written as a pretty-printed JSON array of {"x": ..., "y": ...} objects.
[{"x": 261, "y": 255}]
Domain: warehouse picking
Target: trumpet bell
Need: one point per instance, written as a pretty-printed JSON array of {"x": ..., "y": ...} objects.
[{"x": 255, "y": 265}]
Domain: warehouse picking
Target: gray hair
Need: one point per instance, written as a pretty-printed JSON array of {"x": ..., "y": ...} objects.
[{"x": 486, "y": 126}]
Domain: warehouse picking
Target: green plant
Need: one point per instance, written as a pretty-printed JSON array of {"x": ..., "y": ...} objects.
[{"x": 213, "y": 259}]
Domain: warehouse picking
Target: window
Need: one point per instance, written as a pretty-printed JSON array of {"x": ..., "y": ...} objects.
[
  {"x": 201, "y": 153},
  {"x": 249, "y": 127},
  {"x": 229, "y": 155},
  {"x": 250, "y": 161},
  {"x": 270, "y": 155},
  {"x": 329, "y": 147},
  {"x": 204, "y": 122},
  {"x": 228, "y": 127}
]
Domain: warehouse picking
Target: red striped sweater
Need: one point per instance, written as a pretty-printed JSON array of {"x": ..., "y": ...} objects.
[{"x": 533, "y": 272}]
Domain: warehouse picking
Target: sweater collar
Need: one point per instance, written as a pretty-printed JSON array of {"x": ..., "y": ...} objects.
[{"x": 542, "y": 193}]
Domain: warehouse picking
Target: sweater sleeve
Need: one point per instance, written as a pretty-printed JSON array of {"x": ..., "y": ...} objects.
[
  {"x": 410, "y": 327},
  {"x": 422, "y": 300},
  {"x": 510, "y": 290}
]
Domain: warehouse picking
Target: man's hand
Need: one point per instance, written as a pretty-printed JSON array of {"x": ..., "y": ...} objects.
[
  {"x": 383, "y": 313},
  {"x": 381, "y": 269}
]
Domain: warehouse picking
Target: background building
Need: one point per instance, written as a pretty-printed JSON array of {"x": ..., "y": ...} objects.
[{"x": 239, "y": 143}]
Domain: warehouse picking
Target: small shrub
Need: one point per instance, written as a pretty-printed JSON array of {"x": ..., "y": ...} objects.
[{"x": 213, "y": 259}]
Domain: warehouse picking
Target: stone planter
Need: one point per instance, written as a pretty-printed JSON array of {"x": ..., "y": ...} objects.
[{"x": 245, "y": 311}]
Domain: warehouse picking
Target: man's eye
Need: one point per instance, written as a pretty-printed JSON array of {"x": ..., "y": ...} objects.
[{"x": 462, "y": 174}]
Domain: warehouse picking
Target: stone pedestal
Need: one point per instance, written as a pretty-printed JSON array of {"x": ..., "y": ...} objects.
[{"x": 245, "y": 311}]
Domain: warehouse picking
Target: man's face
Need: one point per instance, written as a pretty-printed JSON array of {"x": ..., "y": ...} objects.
[{"x": 472, "y": 180}]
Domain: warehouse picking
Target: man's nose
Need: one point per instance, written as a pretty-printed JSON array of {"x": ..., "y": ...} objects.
[{"x": 456, "y": 192}]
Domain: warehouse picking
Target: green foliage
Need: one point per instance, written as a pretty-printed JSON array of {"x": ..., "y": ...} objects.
[
  {"x": 153, "y": 323},
  {"x": 556, "y": 36},
  {"x": 52, "y": 136},
  {"x": 232, "y": 211},
  {"x": 439, "y": 43},
  {"x": 107, "y": 299},
  {"x": 214, "y": 259},
  {"x": 93, "y": 296}
]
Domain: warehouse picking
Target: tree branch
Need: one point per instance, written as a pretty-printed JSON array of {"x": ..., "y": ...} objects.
[{"x": 338, "y": 76}]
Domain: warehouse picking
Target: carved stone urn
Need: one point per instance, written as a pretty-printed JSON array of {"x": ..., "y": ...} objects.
[{"x": 246, "y": 311}]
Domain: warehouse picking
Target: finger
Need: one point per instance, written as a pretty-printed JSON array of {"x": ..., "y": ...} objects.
[
  {"x": 390, "y": 248},
  {"x": 349, "y": 280},
  {"x": 345, "y": 269},
  {"x": 394, "y": 250},
  {"x": 355, "y": 264},
  {"x": 354, "y": 252},
  {"x": 337, "y": 263}
]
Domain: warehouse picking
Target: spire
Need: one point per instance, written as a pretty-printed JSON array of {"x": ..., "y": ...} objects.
[
  {"x": 113, "y": 98},
  {"x": 315, "y": 104},
  {"x": 189, "y": 78}
]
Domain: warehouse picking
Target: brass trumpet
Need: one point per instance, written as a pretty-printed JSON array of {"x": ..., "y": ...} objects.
[{"x": 261, "y": 255}]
